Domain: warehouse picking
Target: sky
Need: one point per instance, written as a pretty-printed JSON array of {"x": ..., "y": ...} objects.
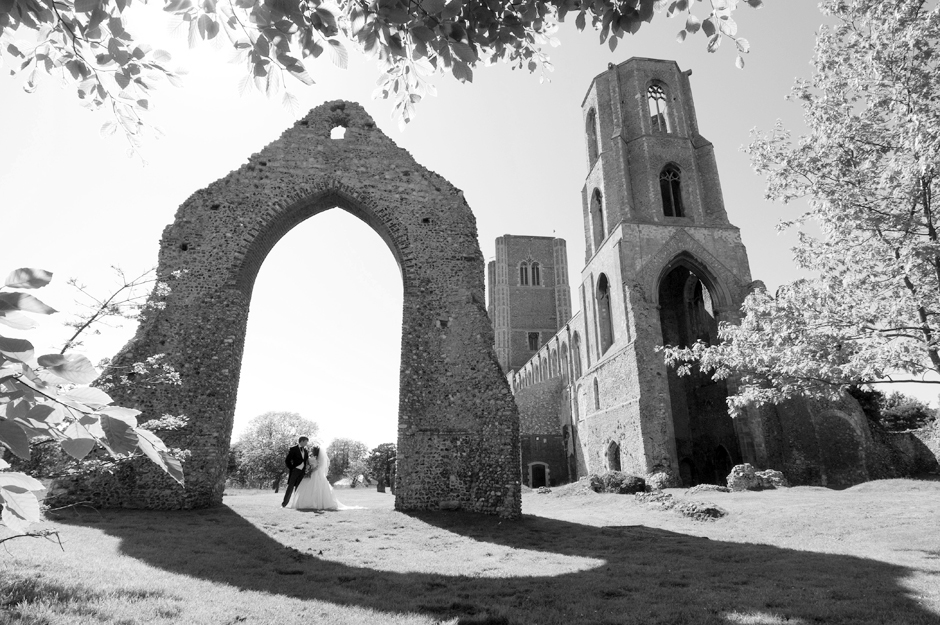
[{"x": 324, "y": 329}]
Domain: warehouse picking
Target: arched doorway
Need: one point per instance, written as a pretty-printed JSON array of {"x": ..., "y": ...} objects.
[
  {"x": 538, "y": 475},
  {"x": 701, "y": 423},
  {"x": 613, "y": 457},
  {"x": 456, "y": 413}
]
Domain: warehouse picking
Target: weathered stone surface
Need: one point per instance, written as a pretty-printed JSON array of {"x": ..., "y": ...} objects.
[
  {"x": 701, "y": 511},
  {"x": 743, "y": 477},
  {"x": 617, "y": 482},
  {"x": 658, "y": 499},
  {"x": 708, "y": 488},
  {"x": 458, "y": 428},
  {"x": 660, "y": 479},
  {"x": 770, "y": 478}
]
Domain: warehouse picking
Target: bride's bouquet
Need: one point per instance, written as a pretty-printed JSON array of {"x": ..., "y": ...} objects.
[{"x": 311, "y": 467}]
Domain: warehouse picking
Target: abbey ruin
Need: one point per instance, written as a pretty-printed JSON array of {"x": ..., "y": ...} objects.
[{"x": 663, "y": 265}]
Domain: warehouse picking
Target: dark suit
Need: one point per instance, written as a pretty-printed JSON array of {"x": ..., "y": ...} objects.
[{"x": 296, "y": 459}]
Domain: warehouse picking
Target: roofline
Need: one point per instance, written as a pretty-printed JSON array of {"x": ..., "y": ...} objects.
[{"x": 611, "y": 67}]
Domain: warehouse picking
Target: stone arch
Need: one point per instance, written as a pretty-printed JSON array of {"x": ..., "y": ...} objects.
[
  {"x": 576, "y": 354},
  {"x": 564, "y": 363},
  {"x": 605, "y": 321},
  {"x": 682, "y": 249},
  {"x": 670, "y": 189},
  {"x": 613, "y": 456},
  {"x": 660, "y": 113},
  {"x": 456, "y": 412},
  {"x": 598, "y": 222},
  {"x": 591, "y": 132}
]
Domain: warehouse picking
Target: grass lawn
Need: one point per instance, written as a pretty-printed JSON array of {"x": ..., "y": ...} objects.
[{"x": 868, "y": 554}]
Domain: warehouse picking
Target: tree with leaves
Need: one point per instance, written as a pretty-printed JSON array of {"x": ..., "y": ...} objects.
[
  {"x": 260, "y": 450},
  {"x": 381, "y": 463},
  {"x": 86, "y": 42},
  {"x": 346, "y": 456},
  {"x": 48, "y": 398},
  {"x": 868, "y": 168}
]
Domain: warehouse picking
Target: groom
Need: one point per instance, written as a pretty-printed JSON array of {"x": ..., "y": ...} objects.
[{"x": 296, "y": 462}]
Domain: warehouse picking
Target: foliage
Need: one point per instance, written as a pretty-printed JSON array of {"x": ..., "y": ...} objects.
[
  {"x": 381, "y": 464},
  {"x": 86, "y": 42},
  {"x": 901, "y": 412},
  {"x": 345, "y": 458},
  {"x": 868, "y": 168},
  {"x": 260, "y": 451},
  {"x": 48, "y": 397}
]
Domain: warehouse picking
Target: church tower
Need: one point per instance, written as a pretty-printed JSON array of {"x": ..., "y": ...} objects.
[{"x": 663, "y": 266}]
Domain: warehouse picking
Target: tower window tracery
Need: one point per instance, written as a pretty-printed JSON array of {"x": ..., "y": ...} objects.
[
  {"x": 670, "y": 185},
  {"x": 597, "y": 218},
  {"x": 604, "y": 321},
  {"x": 659, "y": 119},
  {"x": 523, "y": 274},
  {"x": 591, "y": 129},
  {"x": 536, "y": 274}
]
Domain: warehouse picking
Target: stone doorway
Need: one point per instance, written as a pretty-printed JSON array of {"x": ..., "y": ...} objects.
[{"x": 458, "y": 427}]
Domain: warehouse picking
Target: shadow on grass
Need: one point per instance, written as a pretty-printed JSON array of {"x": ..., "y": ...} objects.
[{"x": 627, "y": 574}]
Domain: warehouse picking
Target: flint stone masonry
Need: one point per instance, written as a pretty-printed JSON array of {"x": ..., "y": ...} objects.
[{"x": 458, "y": 427}]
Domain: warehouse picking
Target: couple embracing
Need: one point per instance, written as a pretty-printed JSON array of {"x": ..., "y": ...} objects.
[{"x": 307, "y": 474}]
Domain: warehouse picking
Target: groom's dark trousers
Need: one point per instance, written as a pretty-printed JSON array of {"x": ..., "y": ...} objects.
[{"x": 295, "y": 458}]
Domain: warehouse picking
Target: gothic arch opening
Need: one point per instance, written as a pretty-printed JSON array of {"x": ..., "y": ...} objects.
[
  {"x": 670, "y": 187},
  {"x": 576, "y": 354},
  {"x": 656, "y": 98},
  {"x": 597, "y": 219},
  {"x": 613, "y": 456},
  {"x": 297, "y": 348},
  {"x": 701, "y": 423},
  {"x": 604, "y": 314},
  {"x": 591, "y": 131},
  {"x": 450, "y": 422}
]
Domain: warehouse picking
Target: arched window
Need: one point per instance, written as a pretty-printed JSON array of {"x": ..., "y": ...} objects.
[
  {"x": 523, "y": 274},
  {"x": 536, "y": 376},
  {"x": 553, "y": 363},
  {"x": 659, "y": 120},
  {"x": 591, "y": 130},
  {"x": 576, "y": 354},
  {"x": 565, "y": 373},
  {"x": 670, "y": 186},
  {"x": 597, "y": 218},
  {"x": 613, "y": 456},
  {"x": 597, "y": 396},
  {"x": 536, "y": 274},
  {"x": 604, "y": 322}
]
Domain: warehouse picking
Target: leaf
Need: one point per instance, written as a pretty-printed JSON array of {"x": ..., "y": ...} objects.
[
  {"x": 462, "y": 72},
  {"x": 433, "y": 7},
  {"x": 26, "y": 278},
  {"x": 25, "y": 302},
  {"x": 14, "y": 438},
  {"x": 579, "y": 21},
  {"x": 463, "y": 51},
  {"x": 86, "y": 6},
  {"x": 40, "y": 412},
  {"x": 739, "y": 62},
  {"x": 162, "y": 56},
  {"x": 714, "y": 41},
  {"x": 20, "y": 480},
  {"x": 338, "y": 53},
  {"x": 708, "y": 27},
  {"x": 88, "y": 395},
  {"x": 743, "y": 45},
  {"x": 17, "y": 349},
  {"x": 127, "y": 415},
  {"x": 121, "y": 437},
  {"x": 20, "y": 507},
  {"x": 72, "y": 367},
  {"x": 692, "y": 24},
  {"x": 612, "y": 43},
  {"x": 78, "y": 443},
  {"x": 153, "y": 448},
  {"x": 17, "y": 320}
]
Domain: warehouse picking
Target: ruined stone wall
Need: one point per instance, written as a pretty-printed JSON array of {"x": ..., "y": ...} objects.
[{"x": 458, "y": 441}]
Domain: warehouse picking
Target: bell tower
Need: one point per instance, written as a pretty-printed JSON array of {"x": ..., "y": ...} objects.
[{"x": 663, "y": 266}]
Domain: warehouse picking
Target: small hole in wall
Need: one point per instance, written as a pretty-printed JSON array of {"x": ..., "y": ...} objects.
[
  {"x": 442, "y": 323},
  {"x": 426, "y": 220},
  {"x": 215, "y": 207},
  {"x": 338, "y": 133},
  {"x": 184, "y": 246}
]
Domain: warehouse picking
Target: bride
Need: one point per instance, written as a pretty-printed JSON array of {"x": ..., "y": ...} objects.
[{"x": 314, "y": 492}]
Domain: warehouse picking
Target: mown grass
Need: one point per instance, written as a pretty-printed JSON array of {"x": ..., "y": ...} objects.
[{"x": 870, "y": 554}]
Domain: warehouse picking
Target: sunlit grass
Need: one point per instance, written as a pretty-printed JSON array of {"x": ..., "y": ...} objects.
[{"x": 865, "y": 555}]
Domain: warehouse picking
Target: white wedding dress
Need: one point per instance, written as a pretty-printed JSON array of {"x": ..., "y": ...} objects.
[{"x": 314, "y": 492}]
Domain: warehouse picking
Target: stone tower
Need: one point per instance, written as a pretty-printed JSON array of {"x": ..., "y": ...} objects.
[
  {"x": 529, "y": 295},
  {"x": 663, "y": 266}
]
